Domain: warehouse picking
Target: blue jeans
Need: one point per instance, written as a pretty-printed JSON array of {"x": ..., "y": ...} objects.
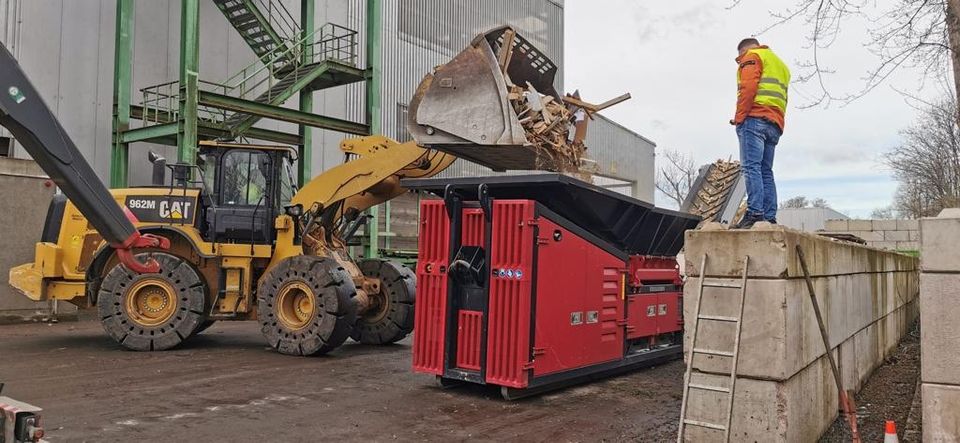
[{"x": 758, "y": 141}]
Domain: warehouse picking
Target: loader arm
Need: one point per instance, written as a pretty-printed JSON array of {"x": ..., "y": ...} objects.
[
  {"x": 27, "y": 117},
  {"x": 373, "y": 177}
]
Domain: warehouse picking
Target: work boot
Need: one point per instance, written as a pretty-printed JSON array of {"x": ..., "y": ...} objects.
[{"x": 747, "y": 222}]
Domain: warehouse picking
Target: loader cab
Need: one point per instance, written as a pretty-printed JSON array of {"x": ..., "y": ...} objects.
[{"x": 244, "y": 189}]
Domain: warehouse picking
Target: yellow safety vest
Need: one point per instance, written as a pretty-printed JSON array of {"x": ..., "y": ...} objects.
[{"x": 774, "y": 81}]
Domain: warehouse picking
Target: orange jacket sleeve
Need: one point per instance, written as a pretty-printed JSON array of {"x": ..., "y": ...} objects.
[{"x": 751, "y": 69}]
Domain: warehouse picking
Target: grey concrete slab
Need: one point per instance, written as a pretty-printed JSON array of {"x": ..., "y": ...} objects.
[
  {"x": 773, "y": 254},
  {"x": 884, "y": 225},
  {"x": 896, "y": 236},
  {"x": 940, "y": 334},
  {"x": 939, "y": 236},
  {"x": 941, "y": 413},
  {"x": 836, "y": 225},
  {"x": 860, "y": 225},
  {"x": 908, "y": 225}
]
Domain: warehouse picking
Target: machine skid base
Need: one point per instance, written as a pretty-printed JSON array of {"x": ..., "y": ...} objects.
[{"x": 579, "y": 376}]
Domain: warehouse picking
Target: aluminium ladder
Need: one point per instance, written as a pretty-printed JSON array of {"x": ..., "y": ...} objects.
[{"x": 734, "y": 354}]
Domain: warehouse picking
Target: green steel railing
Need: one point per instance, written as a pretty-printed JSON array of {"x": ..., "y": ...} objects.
[{"x": 330, "y": 42}]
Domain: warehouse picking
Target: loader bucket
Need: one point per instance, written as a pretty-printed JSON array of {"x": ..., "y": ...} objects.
[{"x": 463, "y": 107}]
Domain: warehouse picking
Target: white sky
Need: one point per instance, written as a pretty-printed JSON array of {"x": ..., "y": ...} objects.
[{"x": 677, "y": 60}]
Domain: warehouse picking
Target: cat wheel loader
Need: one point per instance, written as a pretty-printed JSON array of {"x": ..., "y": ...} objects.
[{"x": 230, "y": 237}]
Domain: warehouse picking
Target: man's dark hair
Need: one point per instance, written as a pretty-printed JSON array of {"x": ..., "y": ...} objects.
[{"x": 747, "y": 42}]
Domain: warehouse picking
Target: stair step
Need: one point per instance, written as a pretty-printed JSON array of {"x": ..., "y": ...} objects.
[
  {"x": 709, "y": 388},
  {"x": 713, "y": 352},
  {"x": 704, "y": 424}
]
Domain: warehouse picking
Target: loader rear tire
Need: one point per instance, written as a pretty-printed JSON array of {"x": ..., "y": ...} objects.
[
  {"x": 305, "y": 305},
  {"x": 391, "y": 321},
  {"x": 152, "y": 312}
]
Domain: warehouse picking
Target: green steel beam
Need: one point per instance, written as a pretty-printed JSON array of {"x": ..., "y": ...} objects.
[
  {"x": 221, "y": 101},
  {"x": 374, "y": 114},
  {"x": 307, "y": 17},
  {"x": 122, "y": 66},
  {"x": 150, "y": 133},
  {"x": 189, "y": 80},
  {"x": 303, "y": 82},
  {"x": 208, "y": 130}
]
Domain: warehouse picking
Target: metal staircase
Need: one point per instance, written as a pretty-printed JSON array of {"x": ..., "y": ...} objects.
[
  {"x": 264, "y": 24},
  {"x": 259, "y": 90}
]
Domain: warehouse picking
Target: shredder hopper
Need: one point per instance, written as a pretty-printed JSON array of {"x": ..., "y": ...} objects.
[{"x": 632, "y": 226}]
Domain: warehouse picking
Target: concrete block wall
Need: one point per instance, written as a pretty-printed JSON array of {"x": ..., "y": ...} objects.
[
  {"x": 940, "y": 333},
  {"x": 785, "y": 389},
  {"x": 898, "y": 235},
  {"x": 23, "y": 208}
]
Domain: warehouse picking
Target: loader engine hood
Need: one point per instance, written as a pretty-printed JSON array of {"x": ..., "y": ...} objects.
[{"x": 463, "y": 107}]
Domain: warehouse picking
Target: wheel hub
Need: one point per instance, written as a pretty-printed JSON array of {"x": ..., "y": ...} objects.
[
  {"x": 151, "y": 302},
  {"x": 295, "y": 305}
]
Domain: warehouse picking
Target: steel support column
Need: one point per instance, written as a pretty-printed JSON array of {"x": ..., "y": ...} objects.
[
  {"x": 189, "y": 81},
  {"x": 374, "y": 111},
  {"x": 122, "y": 66},
  {"x": 307, "y": 16}
]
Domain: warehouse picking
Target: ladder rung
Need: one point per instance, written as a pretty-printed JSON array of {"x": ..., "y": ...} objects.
[
  {"x": 712, "y": 352},
  {"x": 722, "y": 285},
  {"x": 709, "y": 388},
  {"x": 718, "y": 318},
  {"x": 704, "y": 424}
]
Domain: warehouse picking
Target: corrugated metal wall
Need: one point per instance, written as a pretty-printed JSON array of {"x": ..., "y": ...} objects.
[{"x": 66, "y": 47}]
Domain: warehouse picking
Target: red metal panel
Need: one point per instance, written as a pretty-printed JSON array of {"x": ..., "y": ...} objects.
[
  {"x": 469, "y": 328},
  {"x": 642, "y": 320},
  {"x": 431, "y": 306},
  {"x": 579, "y": 302},
  {"x": 472, "y": 227},
  {"x": 508, "y": 324},
  {"x": 669, "y": 312}
]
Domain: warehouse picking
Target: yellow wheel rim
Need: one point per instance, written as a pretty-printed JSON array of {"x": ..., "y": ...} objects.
[
  {"x": 295, "y": 305},
  {"x": 151, "y": 302}
]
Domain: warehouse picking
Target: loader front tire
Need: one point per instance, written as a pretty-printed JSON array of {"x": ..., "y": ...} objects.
[
  {"x": 392, "y": 318},
  {"x": 305, "y": 305},
  {"x": 152, "y": 312}
]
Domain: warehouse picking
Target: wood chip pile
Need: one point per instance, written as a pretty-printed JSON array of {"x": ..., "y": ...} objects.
[{"x": 549, "y": 125}]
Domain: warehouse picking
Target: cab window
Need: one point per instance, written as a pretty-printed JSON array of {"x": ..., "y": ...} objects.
[{"x": 244, "y": 179}]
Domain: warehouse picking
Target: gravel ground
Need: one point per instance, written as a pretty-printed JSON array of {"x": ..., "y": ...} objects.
[
  {"x": 887, "y": 395},
  {"x": 226, "y": 385}
]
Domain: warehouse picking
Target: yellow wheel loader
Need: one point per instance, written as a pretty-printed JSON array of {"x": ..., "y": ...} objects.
[{"x": 232, "y": 238}]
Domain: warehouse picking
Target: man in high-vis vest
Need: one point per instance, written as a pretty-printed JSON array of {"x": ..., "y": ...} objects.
[{"x": 762, "y": 84}]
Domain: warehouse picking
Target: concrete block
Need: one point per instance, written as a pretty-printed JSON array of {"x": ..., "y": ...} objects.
[
  {"x": 869, "y": 236},
  {"x": 896, "y": 235},
  {"x": 939, "y": 238},
  {"x": 941, "y": 413},
  {"x": 914, "y": 235},
  {"x": 888, "y": 245},
  {"x": 836, "y": 225},
  {"x": 773, "y": 254},
  {"x": 908, "y": 246},
  {"x": 23, "y": 209},
  {"x": 796, "y": 410},
  {"x": 908, "y": 225},
  {"x": 780, "y": 335},
  {"x": 860, "y": 225},
  {"x": 884, "y": 225},
  {"x": 940, "y": 334}
]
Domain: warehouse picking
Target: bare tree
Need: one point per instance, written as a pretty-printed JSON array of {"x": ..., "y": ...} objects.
[
  {"x": 676, "y": 176},
  {"x": 886, "y": 213},
  {"x": 918, "y": 33},
  {"x": 801, "y": 201},
  {"x": 927, "y": 163},
  {"x": 795, "y": 203}
]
